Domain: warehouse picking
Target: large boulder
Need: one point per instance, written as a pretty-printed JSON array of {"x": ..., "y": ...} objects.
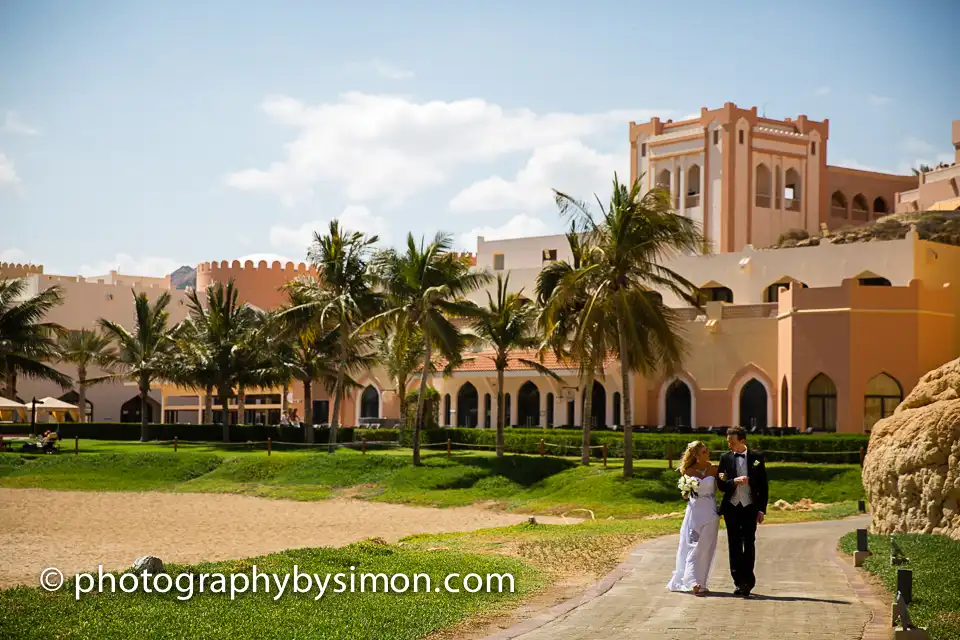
[{"x": 912, "y": 468}]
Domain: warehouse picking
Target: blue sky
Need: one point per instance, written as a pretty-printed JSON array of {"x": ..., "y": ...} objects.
[{"x": 150, "y": 135}]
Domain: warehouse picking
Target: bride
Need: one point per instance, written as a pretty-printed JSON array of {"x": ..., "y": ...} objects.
[{"x": 698, "y": 534}]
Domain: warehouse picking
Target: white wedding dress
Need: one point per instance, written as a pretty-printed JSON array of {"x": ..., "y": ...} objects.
[{"x": 698, "y": 539}]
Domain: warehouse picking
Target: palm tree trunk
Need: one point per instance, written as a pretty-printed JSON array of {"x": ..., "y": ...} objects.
[
  {"x": 12, "y": 386},
  {"x": 224, "y": 395},
  {"x": 308, "y": 411},
  {"x": 625, "y": 401},
  {"x": 283, "y": 399},
  {"x": 335, "y": 420},
  {"x": 241, "y": 406},
  {"x": 208, "y": 405},
  {"x": 587, "y": 418},
  {"x": 82, "y": 398},
  {"x": 402, "y": 394},
  {"x": 418, "y": 423},
  {"x": 500, "y": 410},
  {"x": 144, "y": 394}
]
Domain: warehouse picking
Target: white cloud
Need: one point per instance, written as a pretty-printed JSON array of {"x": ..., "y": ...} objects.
[
  {"x": 519, "y": 226},
  {"x": 14, "y": 255},
  {"x": 126, "y": 264},
  {"x": 381, "y": 68},
  {"x": 8, "y": 174},
  {"x": 297, "y": 240},
  {"x": 822, "y": 91},
  {"x": 13, "y": 123},
  {"x": 917, "y": 146},
  {"x": 569, "y": 166},
  {"x": 879, "y": 100},
  {"x": 379, "y": 147}
]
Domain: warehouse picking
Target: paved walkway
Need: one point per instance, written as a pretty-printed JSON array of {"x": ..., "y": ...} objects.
[{"x": 802, "y": 592}]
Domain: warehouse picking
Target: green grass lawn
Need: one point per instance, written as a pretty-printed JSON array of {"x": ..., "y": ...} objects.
[
  {"x": 935, "y": 561},
  {"x": 29, "y": 613},
  {"x": 522, "y": 483}
]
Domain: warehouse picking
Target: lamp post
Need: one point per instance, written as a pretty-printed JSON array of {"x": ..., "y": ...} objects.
[{"x": 33, "y": 416}]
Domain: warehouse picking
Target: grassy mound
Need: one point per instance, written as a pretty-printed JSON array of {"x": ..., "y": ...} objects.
[
  {"x": 936, "y": 582},
  {"x": 30, "y": 613}
]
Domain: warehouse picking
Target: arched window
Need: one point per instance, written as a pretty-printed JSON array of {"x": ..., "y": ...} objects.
[
  {"x": 616, "y": 409},
  {"x": 717, "y": 294},
  {"x": 772, "y": 293},
  {"x": 764, "y": 186},
  {"x": 883, "y": 395},
  {"x": 446, "y": 410},
  {"x": 778, "y": 188},
  {"x": 784, "y": 404},
  {"x": 486, "y": 410},
  {"x": 468, "y": 401},
  {"x": 549, "y": 409},
  {"x": 879, "y": 206},
  {"x": 370, "y": 403},
  {"x": 693, "y": 187},
  {"x": 859, "y": 208},
  {"x": 792, "y": 191},
  {"x": 598, "y": 410},
  {"x": 663, "y": 179},
  {"x": 528, "y": 405},
  {"x": 679, "y": 404},
  {"x": 838, "y": 205},
  {"x": 822, "y": 404},
  {"x": 874, "y": 281},
  {"x": 130, "y": 411},
  {"x": 506, "y": 410},
  {"x": 753, "y": 404}
]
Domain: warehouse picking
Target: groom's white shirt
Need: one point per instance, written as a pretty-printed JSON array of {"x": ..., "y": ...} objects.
[{"x": 741, "y": 495}]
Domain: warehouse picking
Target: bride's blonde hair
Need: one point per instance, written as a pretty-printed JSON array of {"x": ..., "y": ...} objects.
[{"x": 690, "y": 456}]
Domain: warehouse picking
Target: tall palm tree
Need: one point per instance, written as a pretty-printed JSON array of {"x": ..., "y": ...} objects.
[
  {"x": 222, "y": 323},
  {"x": 192, "y": 368},
  {"x": 401, "y": 352},
  {"x": 626, "y": 246},
  {"x": 428, "y": 286},
  {"x": 143, "y": 354},
  {"x": 27, "y": 342},
  {"x": 507, "y": 324},
  {"x": 85, "y": 349},
  {"x": 344, "y": 297}
]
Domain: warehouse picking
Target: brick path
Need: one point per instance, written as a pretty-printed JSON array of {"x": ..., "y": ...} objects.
[{"x": 801, "y": 592}]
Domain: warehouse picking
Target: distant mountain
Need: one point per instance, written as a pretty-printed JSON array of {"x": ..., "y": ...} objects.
[{"x": 184, "y": 277}]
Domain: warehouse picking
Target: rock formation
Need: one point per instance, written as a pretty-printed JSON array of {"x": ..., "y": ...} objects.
[{"x": 912, "y": 469}]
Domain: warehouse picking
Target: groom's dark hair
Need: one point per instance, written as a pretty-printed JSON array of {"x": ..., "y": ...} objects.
[{"x": 739, "y": 432}]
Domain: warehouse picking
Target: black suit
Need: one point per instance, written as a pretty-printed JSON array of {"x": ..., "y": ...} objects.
[{"x": 741, "y": 520}]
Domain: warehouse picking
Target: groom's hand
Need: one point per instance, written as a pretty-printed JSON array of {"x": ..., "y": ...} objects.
[
  {"x": 760, "y": 517},
  {"x": 742, "y": 480}
]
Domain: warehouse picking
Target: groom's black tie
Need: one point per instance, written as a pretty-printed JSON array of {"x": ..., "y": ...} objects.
[{"x": 739, "y": 455}]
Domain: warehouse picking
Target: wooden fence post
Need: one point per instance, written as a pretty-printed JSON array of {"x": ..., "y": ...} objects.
[
  {"x": 604, "y": 455},
  {"x": 269, "y": 443},
  {"x": 174, "y": 444},
  {"x": 863, "y": 454},
  {"x": 448, "y": 447},
  {"x": 542, "y": 448},
  {"x": 669, "y": 455},
  {"x": 363, "y": 446},
  {"x": 76, "y": 445}
]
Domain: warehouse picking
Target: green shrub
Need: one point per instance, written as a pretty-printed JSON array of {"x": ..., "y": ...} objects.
[{"x": 431, "y": 408}]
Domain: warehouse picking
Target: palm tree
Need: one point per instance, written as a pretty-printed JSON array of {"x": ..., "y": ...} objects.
[
  {"x": 27, "y": 342},
  {"x": 143, "y": 354},
  {"x": 620, "y": 279},
  {"x": 401, "y": 352},
  {"x": 222, "y": 325},
  {"x": 508, "y": 323},
  {"x": 85, "y": 349},
  {"x": 427, "y": 285},
  {"x": 192, "y": 368},
  {"x": 923, "y": 168},
  {"x": 344, "y": 297}
]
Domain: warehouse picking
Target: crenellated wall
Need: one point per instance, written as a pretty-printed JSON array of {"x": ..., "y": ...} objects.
[
  {"x": 257, "y": 284},
  {"x": 16, "y": 270}
]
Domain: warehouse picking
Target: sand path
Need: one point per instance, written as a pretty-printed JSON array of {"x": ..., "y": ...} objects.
[{"x": 76, "y": 531}]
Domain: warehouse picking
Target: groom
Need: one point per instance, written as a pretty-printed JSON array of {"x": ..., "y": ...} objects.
[{"x": 743, "y": 478}]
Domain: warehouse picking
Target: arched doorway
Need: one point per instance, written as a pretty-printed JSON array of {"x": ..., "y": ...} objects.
[
  {"x": 550, "y": 409},
  {"x": 678, "y": 403},
  {"x": 616, "y": 409},
  {"x": 74, "y": 398},
  {"x": 486, "y": 410},
  {"x": 370, "y": 403},
  {"x": 528, "y": 405},
  {"x": 130, "y": 410},
  {"x": 822, "y": 404},
  {"x": 883, "y": 395},
  {"x": 506, "y": 410},
  {"x": 598, "y": 411},
  {"x": 446, "y": 410},
  {"x": 468, "y": 401},
  {"x": 753, "y": 404}
]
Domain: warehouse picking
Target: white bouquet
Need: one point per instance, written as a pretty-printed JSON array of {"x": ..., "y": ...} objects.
[{"x": 688, "y": 486}]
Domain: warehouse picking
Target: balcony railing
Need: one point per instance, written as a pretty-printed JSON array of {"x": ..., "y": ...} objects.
[
  {"x": 763, "y": 200},
  {"x": 792, "y": 204},
  {"x": 838, "y": 212},
  {"x": 693, "y": 201},
  {"x": 861, "y": 214},
  {"x": 765, "y": 310}
]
